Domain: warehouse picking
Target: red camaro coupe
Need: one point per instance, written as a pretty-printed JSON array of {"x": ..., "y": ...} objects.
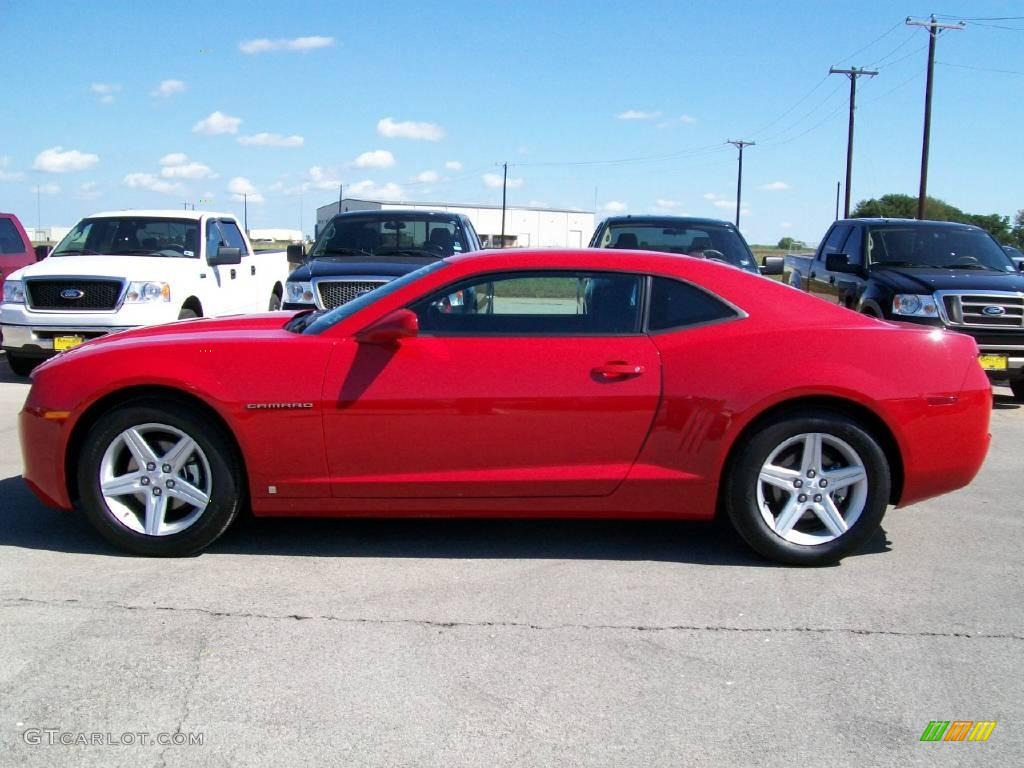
[{"x": 517, "y": 384}]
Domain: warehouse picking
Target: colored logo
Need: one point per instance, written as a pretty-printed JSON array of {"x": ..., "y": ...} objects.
[
  {"x": 958, "y": 730},
  {"x": 993, "y": 311},
  {"x": 71, "y": 294}
]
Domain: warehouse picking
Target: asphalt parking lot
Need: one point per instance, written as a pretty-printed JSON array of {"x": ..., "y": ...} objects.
[{"x": 413, "y": 643}]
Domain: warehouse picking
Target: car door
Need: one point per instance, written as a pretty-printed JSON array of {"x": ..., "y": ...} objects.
[
  {"x": 243, "y": 275},
  {"x": 519, "y": 384},
  {"x": 821, "y": 282}
]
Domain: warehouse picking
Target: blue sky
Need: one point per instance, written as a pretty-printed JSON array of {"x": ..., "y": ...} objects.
[{"x": 111, "y": 105}]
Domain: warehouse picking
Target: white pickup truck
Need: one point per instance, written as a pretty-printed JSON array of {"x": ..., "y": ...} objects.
[{"x": 125, "y": 269}]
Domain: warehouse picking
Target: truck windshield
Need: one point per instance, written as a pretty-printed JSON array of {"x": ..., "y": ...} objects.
[
  {"x": 382, "y": 235},
  {"x": 703, "y": 241},
  {"x": 132, "y": 236},
  {"x": 936, "y": 247}
]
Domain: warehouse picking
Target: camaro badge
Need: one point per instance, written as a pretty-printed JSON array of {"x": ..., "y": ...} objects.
[{"x": 276, "y": 406}]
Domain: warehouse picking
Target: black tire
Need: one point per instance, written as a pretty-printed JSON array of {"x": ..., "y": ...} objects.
[
  {"x": 187, "y": 314},
  {"x": 275, "y": 302},
  {"x": 227, "y": 488},
  {"x": 1017, "y": 387},
  {"x": 22, "y": 366},
  {"x": 742, "y": 481}
]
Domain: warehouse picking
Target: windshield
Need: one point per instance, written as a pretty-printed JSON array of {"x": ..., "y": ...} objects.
[
  {"x": 704, "y": 241},
  {"x": 320, "y": 321},
  {"x": 135, "y": 236},
  {"x": 936, "y": 247},
  {"x": 363, "y": 235}
]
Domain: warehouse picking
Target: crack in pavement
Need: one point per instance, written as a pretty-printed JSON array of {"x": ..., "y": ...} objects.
[
  {"x": 186, "y": 706},
  {"x": 110, "y": 605}
]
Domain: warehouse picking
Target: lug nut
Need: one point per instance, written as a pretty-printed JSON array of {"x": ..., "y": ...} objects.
[
  {"x": 166, "y": 468},
  {"x": 157, "y": 491},
  {"x": 823, "y": 483},
  {"x": 170, "y": 483},
  {"x": 817, "y": 497},
  {"x": 151, "y": 466},
  {"x": 811, "y": 473},
  {"x": 144, "y": 481},
  {"x": 798, "y": 483},
  {"x": 802, "y": 498}
]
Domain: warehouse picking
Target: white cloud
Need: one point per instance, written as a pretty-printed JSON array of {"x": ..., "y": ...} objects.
[
  {"x": 270, "y": 140},
  {"x": 321, "y": 179},
  {"x": 453, "y": 165},
  {"x": 48, "y": 189},
  {"x": 105, "y": 91},
  {"x": 88, "y": 191},
  {"x": 378, "y": 158},
  {"x": 493, "y": 180},
  {"x": 681, "y": 120},
  {"x": 217, "y": 123},
  {"x": 168, "y": 88},
  {"x": 5, "y": 175},
  {"x": 150, "y": 182},
  {"x": 427, "y": 177},
  {"x": 614, "y": 206},
  {"x": 537, "y": 204},
  {"x": 687, "y": 119},
  {"x": 243, "y": 189},
  {"x": 724, "y": 203},
  {"x": 299, "y": 44},
  {"x": 370, "y": 190},
  {"x": 187, "y": 171},
  {"x": 786, "y": 224},
  {"x": 56, "y": 160},
  {"x": 711, "y": 196},
  {"x": 663, "y": 203},
  {"x": 409, "y": 130},
  {"x": 775, "y": 186},
  {"x": 637, "y": 114},
  {"x": 175, "y": 158}
]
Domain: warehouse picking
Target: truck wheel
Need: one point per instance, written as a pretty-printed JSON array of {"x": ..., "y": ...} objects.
[
  {"x": 1017, "y": 387},
  {"x": 187, "y": 314},
  {"x": 155, "y": 479},
  {"x": 22, "y": 366},
  {"x": 275, "y": 302},
  {"x": 808, "y": 489}
]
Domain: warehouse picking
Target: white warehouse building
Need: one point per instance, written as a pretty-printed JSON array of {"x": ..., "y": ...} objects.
[{"x": 524, "y": 226}]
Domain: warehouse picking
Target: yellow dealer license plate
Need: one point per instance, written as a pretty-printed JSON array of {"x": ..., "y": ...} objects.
[
  {"x": 994, "y": 362},
  {"x": 64, "y": 343}
]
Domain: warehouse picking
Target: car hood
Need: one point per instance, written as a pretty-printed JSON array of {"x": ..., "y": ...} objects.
[
  {"x": 348, "y": 267},
  {"x": 929, "y": 280},
  {"x": 129, "y": 267}
]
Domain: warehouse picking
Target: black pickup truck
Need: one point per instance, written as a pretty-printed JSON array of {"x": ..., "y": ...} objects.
[
  {"x": 935, "y": 273},
  {"x": 361, "y": 250}
]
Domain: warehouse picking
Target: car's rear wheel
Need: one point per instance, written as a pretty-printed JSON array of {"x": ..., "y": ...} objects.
[
  {"x": 22, "y": 366},
  {"x": 808, "y": 489},
  {"x": 155, "y": 479},
  {"x": 187, "y": 314},
  {"x": 275, "y": 302},
  {"x": 1017, "y": 387}
]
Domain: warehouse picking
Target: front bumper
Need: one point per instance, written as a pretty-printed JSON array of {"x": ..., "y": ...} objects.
[{"x": 37, "y": 341}]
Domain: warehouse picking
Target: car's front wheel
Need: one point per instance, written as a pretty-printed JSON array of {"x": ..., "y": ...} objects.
[
  {"x": 155, "y": 479},
  {"x": 808, "y": 489}
]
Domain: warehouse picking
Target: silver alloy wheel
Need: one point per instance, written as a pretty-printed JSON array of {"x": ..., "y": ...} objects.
[
  {"x": 812, "y": 488},
  {"x": 155, "y": 479}
]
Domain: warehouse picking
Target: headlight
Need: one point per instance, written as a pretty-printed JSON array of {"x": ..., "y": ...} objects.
[
  {"x": 300, "y": 293},
  {"x": 147, "y": 293},
  {"x": 14, "y": 292},
  {"x": 913, "y": 305}
]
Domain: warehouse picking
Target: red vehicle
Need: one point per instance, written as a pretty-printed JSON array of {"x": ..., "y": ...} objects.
[
  {"x": 610, "y": 384},
  {"x": 15, "y": 247}
]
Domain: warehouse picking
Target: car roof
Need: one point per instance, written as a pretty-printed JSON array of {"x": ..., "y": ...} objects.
[
  {"x": 165, "y": 213},
  {"x": 881, "y": 221},
  {"x": 652, "y": 219},
  {"x": 398, "y": 213}
]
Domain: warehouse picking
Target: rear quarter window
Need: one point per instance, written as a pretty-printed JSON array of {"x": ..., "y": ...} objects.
[
  {"x": 10, "y": 239},
  {"x": 675, "y": 304}
]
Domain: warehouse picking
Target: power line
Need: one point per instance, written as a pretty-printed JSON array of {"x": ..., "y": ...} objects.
[
  {"x": 852, "y": 73},
  {"x": 981, "y": 69},
  {"x": 910, "y": 36},
  {"x": 882, "y": 36}
]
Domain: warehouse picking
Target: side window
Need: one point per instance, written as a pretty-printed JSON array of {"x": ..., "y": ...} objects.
[
  {"x": 214, "y": 238},
  {"x": 536, "y": 303},
  {"x": 853, "y": 247},
  {"x": 233, "y": 236},
  {"x": 834, "y": 241},
  {"x": 677, "y": 305},
  {"x": 10, "y": 239}
]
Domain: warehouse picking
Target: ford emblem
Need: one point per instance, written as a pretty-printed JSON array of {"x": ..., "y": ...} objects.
[
  {"x": 72, "y": 294},
  {"x": 993, "y": 311}
]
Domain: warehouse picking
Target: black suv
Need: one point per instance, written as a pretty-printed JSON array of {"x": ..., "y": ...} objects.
[
  {"x": 701, "y": 238},
  {"x": 361, "y": 250}
]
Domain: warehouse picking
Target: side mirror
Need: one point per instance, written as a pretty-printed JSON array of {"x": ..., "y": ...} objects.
[
  {"x": 42, "y": 251},
  {"x": 840, "y": 262},
  {"x": 296, "y": 254},
  {"x": 390, "y": 329},
  {"x": 772, "y": 265},
  {"x": 225, "y": 256}
]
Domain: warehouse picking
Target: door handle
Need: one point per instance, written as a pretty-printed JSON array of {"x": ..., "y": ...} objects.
[
  {"x": 233, "y": 274},
  {"x": 252, "y": 269},
  {"x": 618, "y": 369}
]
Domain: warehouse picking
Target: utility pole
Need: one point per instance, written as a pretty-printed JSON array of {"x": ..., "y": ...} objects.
[
  {"x": 837, "y": 200},
  {"x": 739, "y": 176},
  {"x": 504, "y": 190},
  {"x": 933, "y": 28},
  {"x": 853, "y": 73},
  {"x": 341, "y": 189},
  {"x": 245, "y": 209}
]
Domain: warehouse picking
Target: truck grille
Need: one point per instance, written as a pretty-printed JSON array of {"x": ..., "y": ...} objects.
[
  {"x": 334, "y": 293},
  {"x": 979, "y": 310},
  {"x": 61, "y": 293}
]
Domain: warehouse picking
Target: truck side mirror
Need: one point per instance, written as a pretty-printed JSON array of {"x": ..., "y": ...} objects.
[
  {"x": 42, "y": 251},
  {"x": 840, "y": 262},
  {"x": 225, "y": 256},
  {"x": 296, "y": 253},
  {"x": 772, "y": 265}
]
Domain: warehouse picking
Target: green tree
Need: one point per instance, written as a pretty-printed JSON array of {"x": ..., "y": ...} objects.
[
  {"x": 897, "y": 206},
  {"x": 789, "y": 244}
]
